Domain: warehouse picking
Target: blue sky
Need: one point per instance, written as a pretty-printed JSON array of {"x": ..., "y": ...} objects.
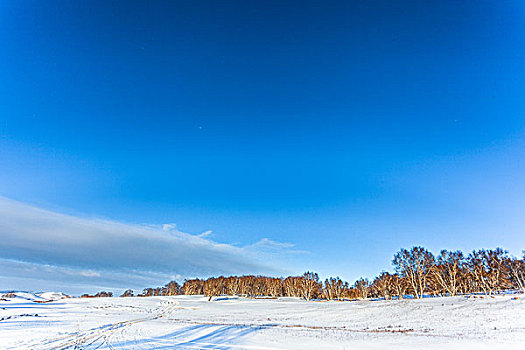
[{"x": 325, "y": 135}]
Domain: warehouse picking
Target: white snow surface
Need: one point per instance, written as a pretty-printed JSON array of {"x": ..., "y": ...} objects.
[
  {"x": 52, "y": 295},
  {"x": 192, "y": 322},
  {"x": 36, "y": 297}
]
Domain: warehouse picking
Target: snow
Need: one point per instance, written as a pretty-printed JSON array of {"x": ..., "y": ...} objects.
[
  {"x": 36, "y": 297},
  {"x": 52, "y": 295},
  {"x": 192, "y": 322}
]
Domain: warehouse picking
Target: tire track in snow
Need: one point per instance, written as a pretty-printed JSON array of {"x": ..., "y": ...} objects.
[
  {"x": 111, "y": 336},
  {"x": 101, "y": 334}
]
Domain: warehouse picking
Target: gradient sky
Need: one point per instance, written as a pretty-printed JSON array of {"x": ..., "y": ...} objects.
[{"x": 334, "y": 133}]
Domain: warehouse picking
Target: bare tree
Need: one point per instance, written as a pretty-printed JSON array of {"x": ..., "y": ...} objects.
[
  {"x": 247, "y": 284},
  {"x": 448, "y": 270},
  {"x": 384, "y": 285},
  {"x": 127, "y": 293},
  {"x": 213, "y": 287},
  {"x": 193, "y": 287},
  {"x": 335, "y": 288},
  {"x": 291, "y": 286},
  {"x": 310, "y": 286},
  {"x": 102, "y": 294},
  {"x": 274, "y": 287},
  {"x": 232, "y": 285},
  {"x": 400, "y": 284},
  {"x": 488, "y": 269},
  {"x": 172, "y": 288},
  {"x": 517, "y": 272},
  {"x": 415, "y": 265},
  {"x": 362, "y": 286}
]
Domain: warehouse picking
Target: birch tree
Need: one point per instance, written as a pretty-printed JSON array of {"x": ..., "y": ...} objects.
[
  {"x": 415, "y": 265},
  {"x": 517, "y": 272},
  {"x": 448, "y": 270}
]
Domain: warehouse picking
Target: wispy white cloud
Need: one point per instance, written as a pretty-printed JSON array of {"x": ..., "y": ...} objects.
[
  {"x": 89, "y": 273},
  {"x": 40, "y": 239},
  {"x": 266, "y": 244},
  {"x": 205, "y": 234},
  {"x": 169, "y": 227}
]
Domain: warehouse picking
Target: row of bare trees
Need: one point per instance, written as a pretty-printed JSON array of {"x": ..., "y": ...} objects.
[
  {"x": 417, "y": 272},
  {"x": 306, "y": 286},
  {"x": 101, "y": 294},
  {"x": 172, "y": 288},
  {"x": 451, "y": 273}
]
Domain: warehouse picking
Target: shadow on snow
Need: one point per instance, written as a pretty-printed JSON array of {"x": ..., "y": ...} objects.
[{"x": 197, "y": 336}]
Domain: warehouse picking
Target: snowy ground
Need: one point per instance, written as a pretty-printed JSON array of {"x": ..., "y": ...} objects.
[{"x": 191, "y": 322}]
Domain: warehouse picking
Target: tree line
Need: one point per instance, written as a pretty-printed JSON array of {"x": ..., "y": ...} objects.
[{"x": 417, "y": 272}]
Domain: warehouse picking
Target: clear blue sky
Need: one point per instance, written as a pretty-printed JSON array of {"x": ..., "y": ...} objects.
[{"x": 349, "y": 129}]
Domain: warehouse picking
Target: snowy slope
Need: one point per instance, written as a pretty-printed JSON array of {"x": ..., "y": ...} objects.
[
  {"x": 35, "y": 297},
  {"x": 52, "y": 295},
  {"x": 191, "y": 322}
]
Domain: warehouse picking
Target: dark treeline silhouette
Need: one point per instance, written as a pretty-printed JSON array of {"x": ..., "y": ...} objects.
[
  {"x": 417, "y": 272},
  {"x": 98, "y": 295},
  {"x": 172, "y": 288}
]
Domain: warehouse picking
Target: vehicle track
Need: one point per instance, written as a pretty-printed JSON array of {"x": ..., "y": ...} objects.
[{"x": 101, "y": 336}]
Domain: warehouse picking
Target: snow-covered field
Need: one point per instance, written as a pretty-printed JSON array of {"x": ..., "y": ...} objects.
[{"x": 28, "y": 321}]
